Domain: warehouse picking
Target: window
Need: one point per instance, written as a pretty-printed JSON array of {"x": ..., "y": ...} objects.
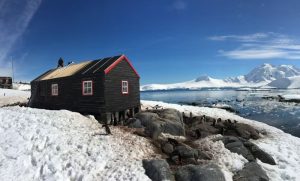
[
  {"x": 54, "y": 89},
  {"x": 124, "y": 87},
  {"x": 87, "y": 87}
]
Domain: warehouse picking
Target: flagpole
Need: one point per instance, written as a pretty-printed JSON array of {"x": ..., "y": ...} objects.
[{"x": 12, "y": 68}]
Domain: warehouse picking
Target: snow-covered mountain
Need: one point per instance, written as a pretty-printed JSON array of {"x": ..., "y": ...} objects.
[
  {"x": 285, "y": 83},
  {"x": 265, "y": 75},
  {"x": 267, "y": 72}
]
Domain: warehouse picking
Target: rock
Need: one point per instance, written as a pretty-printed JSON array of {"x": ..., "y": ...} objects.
[
  {"x": 185, "y": 152},
  {"x": 203, "y": 156},
  {"x": 259, "y": 153},
  {"x": 171, "y": 114},
  {"x": 246, "y": 131},
  {"x": 155, "y": 125},
  {"x": 208, "y": 172},
  {"x": 237, "y": 146},
  {"x": 154, "y": 129},
  {"x": 157, "y": 170},
  {"x": 167, "y": 148},
  {"x": 251, "y": 172},
  {"x": 173, "y": 128},
  {"x": 134, "y": 123},
  {"x": 206, "y": 127}
]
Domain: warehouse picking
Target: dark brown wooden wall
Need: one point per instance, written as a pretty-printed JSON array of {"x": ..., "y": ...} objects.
[
  {"x": 70, "y": 94},
  {"x": 114, "y": 99}
]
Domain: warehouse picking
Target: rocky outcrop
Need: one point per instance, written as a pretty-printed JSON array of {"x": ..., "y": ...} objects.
[
  {"x": 259, "y": 153},
  {"x": 157, "y": 170},
  {"x": 246, "y": 131},
  {"x": 162, "y": 121},
  {"x": 209, "y": 172},
  {"x": 248, "y": 150},
  {"x": 251, "y": 172}
]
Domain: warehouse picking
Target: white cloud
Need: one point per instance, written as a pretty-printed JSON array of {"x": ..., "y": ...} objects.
[
  {"x": 15, "y": 16},
  {"x": 242, "y": 38},
  {"x": 261, "y": 46}
]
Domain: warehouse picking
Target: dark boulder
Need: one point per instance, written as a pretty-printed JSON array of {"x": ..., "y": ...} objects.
[
  {"x": 170, "y": 122},
  {"x": 157, "y": 170},
  {"x": 246, "y": 131},
  {"x": 203, "y": 155},
  {"x": 259, "y": 153},
  {"x": 185, "y": 152},
  {"x": 167, "y": 148},
  {"x": 208, "y": 172},
  {"x": 251, "y": 172},
  {"x": 237, "y": 146},
  {"x": 134, "y": 123}
]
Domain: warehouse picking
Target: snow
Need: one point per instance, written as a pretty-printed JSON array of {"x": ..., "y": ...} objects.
[
  {"x": 286, "y": 83},
  {"x": 283, "y": 147},
  {"x": 40, "y": 144},
  {"x": 10, "y": 96},
  {"x": 258, "y": 77},
  {"x": 291, "y": 96},
  {"x": 21, "y": 86}
]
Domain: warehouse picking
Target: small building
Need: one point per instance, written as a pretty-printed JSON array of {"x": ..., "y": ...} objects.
[
  {"x": 6, "y": 82},
  {"x": 108, "y": 88}
]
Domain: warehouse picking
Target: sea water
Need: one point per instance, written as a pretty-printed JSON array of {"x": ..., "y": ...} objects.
[{"x": 257, "y": 105}]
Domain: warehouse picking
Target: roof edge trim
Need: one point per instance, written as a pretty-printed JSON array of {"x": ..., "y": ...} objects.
[{"x": 123, "y": 57}]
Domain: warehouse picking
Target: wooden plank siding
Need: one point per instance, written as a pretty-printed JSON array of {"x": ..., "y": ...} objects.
[
  {"x": 114, "y": 99},
  {"x": 70, "y": 94}
]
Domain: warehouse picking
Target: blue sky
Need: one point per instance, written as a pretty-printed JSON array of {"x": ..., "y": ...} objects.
[{"x": 166, "y": 40}]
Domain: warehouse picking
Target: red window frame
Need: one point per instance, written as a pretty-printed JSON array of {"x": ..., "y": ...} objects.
[
  {"x": 53, "y": 89},
  {"x": 123, "y": 92},
  {"x": 92, "y": 88}
]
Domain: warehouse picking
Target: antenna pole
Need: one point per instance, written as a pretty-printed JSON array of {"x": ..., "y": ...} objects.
[{"x": 12, "y": 68}]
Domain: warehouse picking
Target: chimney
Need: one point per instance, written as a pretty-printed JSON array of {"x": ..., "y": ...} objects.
[{"x": 60, "y": 63}]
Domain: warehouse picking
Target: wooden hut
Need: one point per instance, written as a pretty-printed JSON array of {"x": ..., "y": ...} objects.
[
  {"x": 107, "y": 88},
  {"x": 6, "y": 82}
]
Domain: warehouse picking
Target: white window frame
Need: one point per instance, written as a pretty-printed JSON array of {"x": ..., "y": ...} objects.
[
  {"x": 125, "y": 87},
  {"x": 54, "y": 89},
  {"x": 87, "y": 88}
]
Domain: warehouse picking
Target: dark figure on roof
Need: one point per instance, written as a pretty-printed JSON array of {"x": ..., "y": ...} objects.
[{"x": 60, "y": 62}]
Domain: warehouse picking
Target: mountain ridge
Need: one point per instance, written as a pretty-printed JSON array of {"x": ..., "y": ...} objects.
[{"x": 265, "y": 75}]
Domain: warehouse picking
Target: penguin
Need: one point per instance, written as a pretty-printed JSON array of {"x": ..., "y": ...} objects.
[{"x": 107, "y": 129}]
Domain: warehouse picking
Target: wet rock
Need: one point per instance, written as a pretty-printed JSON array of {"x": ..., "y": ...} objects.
[
  {"x": 259, "y": 153},
  {"x": 208, "y": 172},
  {"x": 251, "y": 172},
  {"x": 157, "y": 170}
]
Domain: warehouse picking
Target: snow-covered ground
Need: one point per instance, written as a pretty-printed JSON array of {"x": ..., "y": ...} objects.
[
  {"x": 284, "y": 147},
  {"x": 10, "y": 96},
  {"x": 21, "y": 86},
  {"x": 39, "y": 144}
]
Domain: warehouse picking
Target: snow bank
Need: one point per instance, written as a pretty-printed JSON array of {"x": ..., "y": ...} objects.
[
  {"x": 21, "y": 86},
  {"x": 291, "y": 97},
  {"x": 61, "y": 145},
  {"x": 284, "y": 147},
  {"x": 10, "y": 96}
]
